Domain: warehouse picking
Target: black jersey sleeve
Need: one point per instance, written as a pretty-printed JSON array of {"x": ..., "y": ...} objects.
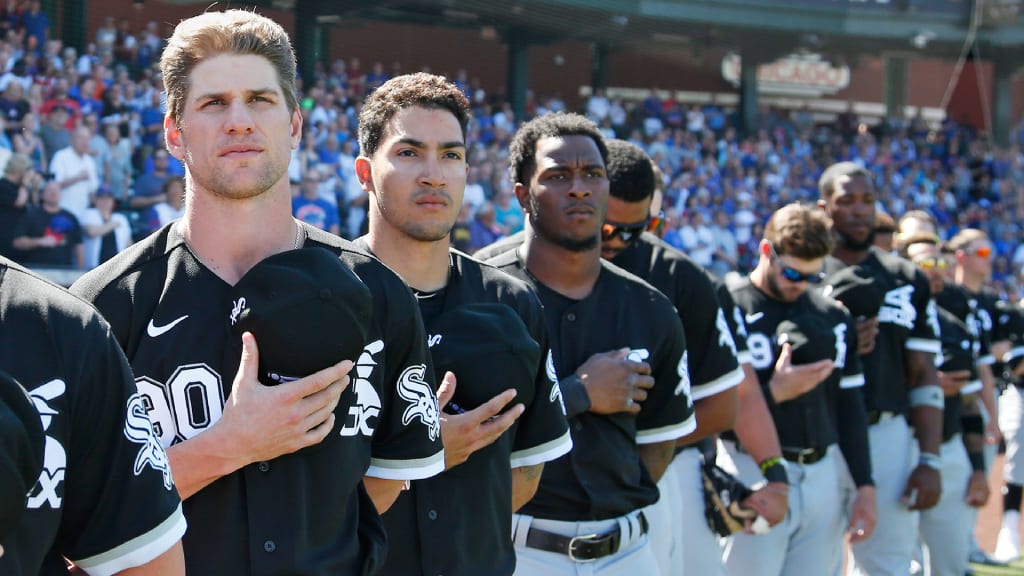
[
  {"x": 542, "y": 433},
  {"x": 924, "y": 335},
  {"x": 851, "y": 415},
  {"x": 120, "y": 507},
  {"x": 667, "y": 413},
  {"x": 407, "y": 442},
  {"x": 713, "y": 364}
]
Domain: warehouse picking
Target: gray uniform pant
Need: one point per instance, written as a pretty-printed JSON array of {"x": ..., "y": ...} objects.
[
  {"x": 634, "y": 557},
  {"x": 945, "y": 528}
]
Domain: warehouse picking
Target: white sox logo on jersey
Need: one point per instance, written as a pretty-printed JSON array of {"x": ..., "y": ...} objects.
[
  {"x": 422, "y": 403},
  {"x": 725, "y": 339},
  {"x": 138, "y": 429},
  {"x": 236, "y": 309},
  {"x": 897, "y": 308},
  {"x": 45, "y": 492},
  {"x": 839, "y": 331},
  {"x": 683, "y": 371},
  {"x": 365, "y": 410},
  {"x": 556, "y": 391}
]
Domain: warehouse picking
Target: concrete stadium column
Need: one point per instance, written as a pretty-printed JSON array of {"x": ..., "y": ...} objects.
[
  {"x": 748, "y": 112},
  {"x": 71, "y": 19},
  {"x": 1003, "y": 69},
  {"x": 310, "y": 40},
  {"x": 599, "y": 66},
  {"x": 518, "y": 72},
  {"x": 895, "y": 86}
]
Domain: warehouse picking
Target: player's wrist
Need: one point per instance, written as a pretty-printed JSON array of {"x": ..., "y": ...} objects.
[
  {"x": 774, "y": 471},
  {"x": 930, "y": 460},
  {"x": 977, "y": 460}
]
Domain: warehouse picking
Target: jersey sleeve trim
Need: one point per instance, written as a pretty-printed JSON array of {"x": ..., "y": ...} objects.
[
  {"x": 924, "y": 345},
  {"x": 851, "y": 381},
  {"x": 416, "y": 469},
  {"x": 745, "y": 357},
  {"x": 986, "y": 360},
  {"x": 972, "y": 387},
  {"x": 666, "y": 433},
  {"x": 721, "y": 384},
  {"x": 138, "y": 550},
  {"x": 542, "y": 453}
]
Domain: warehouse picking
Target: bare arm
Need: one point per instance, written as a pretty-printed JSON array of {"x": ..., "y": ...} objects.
[
  {"x": 656, "y": 457},
  {"x": 924, "y": 487},
  {"x": 170, "y": 563},
  {"x": 383, "y": 492},
  {"x": 715, "y": 413},
  {"x": 525, "y": 480},
  {"x": 754, "y": 425}
]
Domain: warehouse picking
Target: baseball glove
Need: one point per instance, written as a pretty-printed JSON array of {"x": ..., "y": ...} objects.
[{"x": 723, "y": 494}]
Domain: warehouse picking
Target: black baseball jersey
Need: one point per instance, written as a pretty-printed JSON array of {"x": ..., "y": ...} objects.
[
  {"x": 510, "y": 242},
  {"x": 832, "y": 411},
  {"x": 301, "y": 513},
  {"x": 710, "y": 347},
  {"x": 62, "y": 226},
  {"x": 966, "y": 306},
  {"x": 105, "y": 498},
  {"x": 603, "y": 477},
  {"x": 907, "y": 320},
  {"x": 957, "y": 342},
  {"x": 488, "y": 329}
]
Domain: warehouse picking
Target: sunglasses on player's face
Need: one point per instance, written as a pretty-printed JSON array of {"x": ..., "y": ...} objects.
[
  {"x": 625, "y": 232},
  {"x": 982, "y": 251},
  {"x": 930, "y": 263},
  {"x": 792, "y": 274}
]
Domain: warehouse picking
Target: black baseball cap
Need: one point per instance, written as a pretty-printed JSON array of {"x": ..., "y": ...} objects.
[
  {"x": 857, "y": 289},
  {"x": 307, "y": 310},
  {"x": 479, "y": 342},
  {"x": 810, "y": 337},
  {"x": 21, "y": 450}
]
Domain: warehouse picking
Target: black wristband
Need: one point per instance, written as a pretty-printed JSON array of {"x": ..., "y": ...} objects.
[
  {"x": 977, "y": 461},
  {"x": 776, "y": 472},
  {"x": 973, "y": 424}
]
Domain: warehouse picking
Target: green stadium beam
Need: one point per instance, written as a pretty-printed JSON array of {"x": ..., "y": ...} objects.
[
  {"x": 310, "y": 40},
  {"x": 599, "y": 65},
  {"x": 895, "y": 86},
  {"x": 518, "y": 72},
  {"x": 748, "y": 112},
  {"x": 1005, "y": 65}
]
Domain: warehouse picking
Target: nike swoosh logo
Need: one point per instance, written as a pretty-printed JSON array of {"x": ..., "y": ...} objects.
[
  {"x": 751, "y": 318},
  {"x": 153, "y": 330}
]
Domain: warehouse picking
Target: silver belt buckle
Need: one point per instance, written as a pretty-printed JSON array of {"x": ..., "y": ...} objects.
[{"x": 572, "y": 548}]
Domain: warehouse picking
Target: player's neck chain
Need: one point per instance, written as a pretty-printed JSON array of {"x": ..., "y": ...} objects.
[{"x": 300, "y": 239}]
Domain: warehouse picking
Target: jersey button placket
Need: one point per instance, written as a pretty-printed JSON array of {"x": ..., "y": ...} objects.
[
  {"x": 432, "y": 514},
  {"x": 269, "y": 546},
  {"x": 263, "y": 466}
]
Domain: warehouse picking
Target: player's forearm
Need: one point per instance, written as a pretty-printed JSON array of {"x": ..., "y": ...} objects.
[
  {"x": 925, "y": 409},
  {"x": 715, "y": 413},
  {"x": 656, "y": 457},
  {"x": 383, "y": 492},
  {"x": 755, "y": 428},
  {"x": 988, "y": 391},
  {"x": 525, "y": 480},
  {"x": 170, "y": 563},
  {"x": 199, "y": 461}
]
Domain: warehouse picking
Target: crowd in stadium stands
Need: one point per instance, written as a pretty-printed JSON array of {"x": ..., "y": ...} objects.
[{"x": 88, "y": 126}]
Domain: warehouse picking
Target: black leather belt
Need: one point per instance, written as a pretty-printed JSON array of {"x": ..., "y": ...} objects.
[
  {"x": 875, "y": 416},
  {"x": 580, "y": 548},
  {"x": 805, "y": 455}
]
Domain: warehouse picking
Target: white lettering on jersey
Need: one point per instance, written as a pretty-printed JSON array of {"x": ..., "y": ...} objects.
[
  {"x": 683, "y": 371},
  {"x": 897, "y": 308},
  {"x": 433, "y": 340},
  {"x": 422, "y": 403},
  {"x": 153, "y": 330},
  {"x": 54, "y": 457},
  {"x": 236, "y": 309},
  {"x": 138, "y": 429},
  {"x": 556, "y": 391},
  {"x": 741, "y": 326},
  {"x": 839, "y": 331},
  {"x": 760, "y": 346},
  {"x": 638, "y": 355},
  {"x": 725, "y": 339},
  {"x": 367, "y": 401},
  {"x": 932, "y": 313}
]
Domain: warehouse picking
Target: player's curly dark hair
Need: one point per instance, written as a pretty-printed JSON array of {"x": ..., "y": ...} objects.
[
  {"x": 420, "y": 89},
  {"x": 630, "y": 171},
  {"x": 827, "y": 182},
  {"x": 522, "y": 150}
]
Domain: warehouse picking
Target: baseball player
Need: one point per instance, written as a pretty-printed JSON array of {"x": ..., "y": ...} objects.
[
  {"x": 276, "y": 479},
  {"x": 504, "y": 415},
  {"x": 944, "y": 527},
  {"x": 620, "y": 353},
  {"x": 901, "y": 387},
  {"x": 105, "y": 499},
  {"x": 814, "y": 397},
  {"x": 1010, "y": 322},
  {"x": 21, "y": 451}
]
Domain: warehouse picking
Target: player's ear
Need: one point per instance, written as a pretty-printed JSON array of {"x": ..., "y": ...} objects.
[
  {"x": 523, "y": 196},
  {"x": 823, "y": 205},
  {"x": 296, "y": 131},
  {"x": 172, "y": 138},
  {"x": 364, "y": 172}
]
